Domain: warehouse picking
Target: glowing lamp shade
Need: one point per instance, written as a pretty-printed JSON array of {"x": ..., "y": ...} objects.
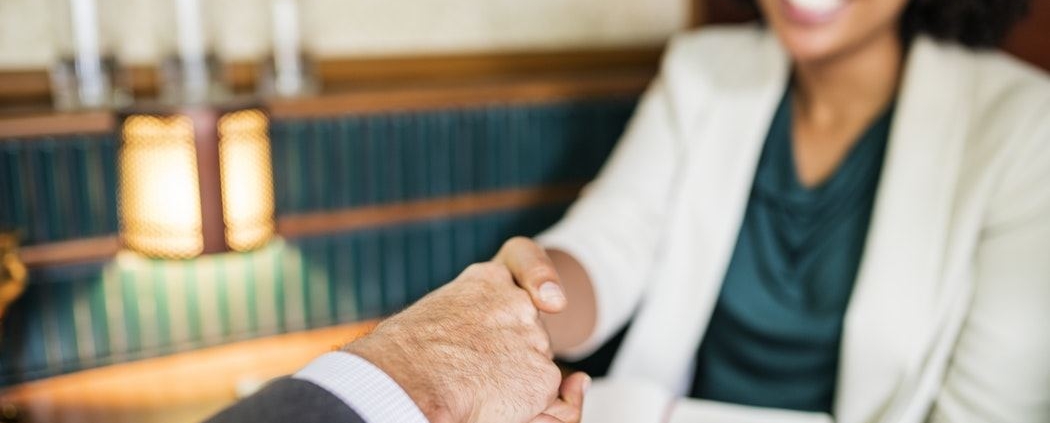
[{"x": 195, "y": 181}]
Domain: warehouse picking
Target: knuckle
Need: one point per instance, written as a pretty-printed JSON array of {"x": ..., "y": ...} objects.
[
  {"x": 550, "y": 375},
  {"x": 473, "y": 268},
  {"x": 488, "y": 271},
  {"x": 499, "y": 271},
  {"x": 517, "y": 242},
  {"x": 524, "y": 314},
  {"x": 521, "y": 305},
  {"x": 541, "y": 342}
]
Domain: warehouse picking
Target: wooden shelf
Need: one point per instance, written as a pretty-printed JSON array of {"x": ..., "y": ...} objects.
[
  {"x": 419, "y": 95},
  {"x": 307, "y": 224},
  {"x": 26, "y": 94}
]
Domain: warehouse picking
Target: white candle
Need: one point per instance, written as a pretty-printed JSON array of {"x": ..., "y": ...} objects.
[
  {"x": 286, "y": 47},
  {"x": 189, "y": 28},
  {"x": 87, "y": 52}
]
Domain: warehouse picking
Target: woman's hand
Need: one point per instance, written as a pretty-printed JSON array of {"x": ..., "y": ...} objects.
[
  {"x": 534, "y": 272},
  {"x": 558, "y": 286},
  {"x": 568, "y": 408}
]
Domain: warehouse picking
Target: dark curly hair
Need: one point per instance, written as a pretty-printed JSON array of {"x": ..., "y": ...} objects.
[{"x": 973, "y": 23}]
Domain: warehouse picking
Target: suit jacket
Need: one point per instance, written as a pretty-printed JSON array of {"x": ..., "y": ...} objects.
[
  {"x": 289, "y": 400},
  {"x": 947, "y": 318}
]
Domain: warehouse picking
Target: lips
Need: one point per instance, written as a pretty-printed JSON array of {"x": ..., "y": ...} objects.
[{"x": 812, "y": 12}]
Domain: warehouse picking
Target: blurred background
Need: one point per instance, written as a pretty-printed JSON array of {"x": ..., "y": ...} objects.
[{"x": 199, "y": 195}]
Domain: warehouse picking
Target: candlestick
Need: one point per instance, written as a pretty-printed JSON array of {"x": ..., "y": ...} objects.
[
  {"x": 87, "y": 51},
  {"x": 288, "y": 75},
  {"x": 192, "y": 49}
]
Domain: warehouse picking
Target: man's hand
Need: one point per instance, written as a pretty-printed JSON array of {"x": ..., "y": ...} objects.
[
  {"x": 569, "y": 406},
  {"x": 475, "y": 351}
]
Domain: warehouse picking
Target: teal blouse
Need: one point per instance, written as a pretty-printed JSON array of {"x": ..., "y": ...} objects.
[{"x": 773, "y": 339}]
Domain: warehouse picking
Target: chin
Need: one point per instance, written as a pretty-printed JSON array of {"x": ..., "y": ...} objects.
[
  {"x": 806, "y": 48},
  {"x": 820, "y": 30}
]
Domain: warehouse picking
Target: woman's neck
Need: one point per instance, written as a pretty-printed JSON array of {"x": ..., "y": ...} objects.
[{"x": 857, "y": 84}]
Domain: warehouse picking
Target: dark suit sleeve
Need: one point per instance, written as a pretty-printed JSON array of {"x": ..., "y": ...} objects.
[{"x": 289, "y": 400}]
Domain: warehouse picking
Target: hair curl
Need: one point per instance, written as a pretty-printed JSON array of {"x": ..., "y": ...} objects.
[{"x": 973, "y": 23}]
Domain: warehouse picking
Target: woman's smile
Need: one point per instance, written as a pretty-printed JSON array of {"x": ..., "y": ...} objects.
[{"x": 812, "y": 12}]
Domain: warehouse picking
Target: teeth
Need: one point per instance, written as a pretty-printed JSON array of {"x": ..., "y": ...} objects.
[{"x": 817, "y": 6}]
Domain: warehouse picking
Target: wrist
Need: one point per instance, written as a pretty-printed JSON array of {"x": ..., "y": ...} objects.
[{"x": 394, "y": 359}]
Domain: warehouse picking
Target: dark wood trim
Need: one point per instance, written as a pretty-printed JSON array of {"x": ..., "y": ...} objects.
[
  {"x": 209, "y": 177},
  {"x": 346, "y": 220},
  {"x": 466, "y": 67},
  {"x": 69, "y": 252},
  {"x": 340, "y": 74},
  {"x": 521, "y": 90},
  {"x": 516, "y": 90},
  {"x": 308, "y": 224},
  {"x": 24, "y": 86},
  {"x": 54, "y": 124}
]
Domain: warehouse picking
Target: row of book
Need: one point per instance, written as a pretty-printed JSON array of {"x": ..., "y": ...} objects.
[
  {"x": 61, "y": 188},
  {"x": 373, "y": 159},
  {"x": 81, "y": 316},
  {"x": 58, "y": 188}
]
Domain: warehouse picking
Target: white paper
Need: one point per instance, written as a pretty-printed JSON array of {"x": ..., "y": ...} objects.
[
  {"x": 638, "y": 401},
  {"x": 687, "y": 410},
  {"x": 625, "y": 401}
]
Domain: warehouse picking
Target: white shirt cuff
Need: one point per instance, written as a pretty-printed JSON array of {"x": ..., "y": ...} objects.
[{"x": 369, "y": 391}]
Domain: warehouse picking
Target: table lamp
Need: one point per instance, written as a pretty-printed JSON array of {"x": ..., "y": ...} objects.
[{"x": 194, "y": 180}]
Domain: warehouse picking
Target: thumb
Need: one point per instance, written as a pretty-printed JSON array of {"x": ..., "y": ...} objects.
[
  {"x": 534, "y": 272},
  {"x": 568, "y": 408},
  {"x": 573, "y": 389}
]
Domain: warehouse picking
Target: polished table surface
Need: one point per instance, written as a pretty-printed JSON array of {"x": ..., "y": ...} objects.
[{"x": 183, "y": 387}]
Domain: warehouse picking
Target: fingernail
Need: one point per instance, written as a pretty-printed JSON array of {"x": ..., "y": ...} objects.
[
  {"x": 551, "y": 293},
  {"x": 586, "y": 384}
]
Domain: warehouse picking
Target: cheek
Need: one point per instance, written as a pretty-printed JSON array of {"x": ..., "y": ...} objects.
[{"x": 814, "y": 37}]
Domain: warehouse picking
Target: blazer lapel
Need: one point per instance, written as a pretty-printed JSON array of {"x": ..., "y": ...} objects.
[
  {"x": 893, "y": 314},
  {"x": 670, "y": 323}
]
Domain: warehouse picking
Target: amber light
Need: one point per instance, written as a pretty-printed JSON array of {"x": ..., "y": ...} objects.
[{"x": 195, "y": 181}]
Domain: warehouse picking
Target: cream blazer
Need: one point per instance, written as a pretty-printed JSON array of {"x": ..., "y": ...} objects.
[{"x": 949, "y": 320}]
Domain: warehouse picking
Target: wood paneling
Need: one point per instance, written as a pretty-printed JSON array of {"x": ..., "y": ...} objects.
[
  {"x": 67, "y": 252},
  {"x": 28, "y": 91},
  {"x": 183, "y": 387},
  {"x": 23, "y": 87},
  {"x": 620, "y": 78},
  {"x": 345, "y": 220},
  {"x": 512, "y": 90},
  {"x": 44, "y": 124}
]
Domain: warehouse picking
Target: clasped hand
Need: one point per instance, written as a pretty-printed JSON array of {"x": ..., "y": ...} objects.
[{"x": 475, "y": 350}]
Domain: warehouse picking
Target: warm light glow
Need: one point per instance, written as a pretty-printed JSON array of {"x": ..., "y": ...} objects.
[
  {"x": 159, "y": 192},
  {"x": 247, "y": 179}
]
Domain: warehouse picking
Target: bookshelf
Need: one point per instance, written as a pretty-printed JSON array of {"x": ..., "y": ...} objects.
[{"x": 385, "y": 190}]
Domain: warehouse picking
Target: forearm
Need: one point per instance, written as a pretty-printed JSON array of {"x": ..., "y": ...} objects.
[{"x": 576, "y": 323}]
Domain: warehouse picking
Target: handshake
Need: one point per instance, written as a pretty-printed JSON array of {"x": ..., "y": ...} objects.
[{"x": 474, "y": 350}]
